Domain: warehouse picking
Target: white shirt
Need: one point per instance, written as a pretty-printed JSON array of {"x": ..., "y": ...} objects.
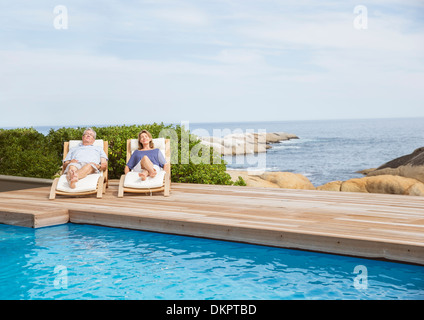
[{"x": 89, "y": 153}]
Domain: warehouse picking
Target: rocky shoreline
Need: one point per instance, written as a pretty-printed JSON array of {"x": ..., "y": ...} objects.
[
  {"x": 403, "y": 175},
  {"x": 245, "y": 143}
]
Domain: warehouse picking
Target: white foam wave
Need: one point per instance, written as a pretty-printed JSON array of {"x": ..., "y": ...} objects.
[{"x": 282, "y": 147}]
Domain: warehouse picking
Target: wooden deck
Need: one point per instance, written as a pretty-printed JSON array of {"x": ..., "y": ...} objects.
[{"x": 366, "y": 225}]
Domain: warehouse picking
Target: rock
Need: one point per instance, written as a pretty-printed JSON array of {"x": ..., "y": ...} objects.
[
  {"x": 286, "y": 180},
  {"x": 331, "y": 186},
  {"x": 407, "y": 171},
  {"x": 245, "y": 143},
  {"x": 275, "y": 137},
  {"x": 389, "y": 184},
  {"x": 415, "y": 158},
  {"x": 252, "y": 180},
  {"x": 366, "y": 171},
  {"x": 409, "y": 166},
  {"x": 354, "y": 185}
]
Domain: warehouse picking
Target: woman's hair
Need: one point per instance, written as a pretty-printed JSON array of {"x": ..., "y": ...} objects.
[{"x": 151, "y": 144}]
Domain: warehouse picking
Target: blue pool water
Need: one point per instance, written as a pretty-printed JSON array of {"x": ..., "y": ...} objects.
[{"x": 90, "y": 262}]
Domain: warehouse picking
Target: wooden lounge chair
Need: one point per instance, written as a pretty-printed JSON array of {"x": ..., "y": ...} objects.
[
  {"x": 131, "y": 182},
  {"x": 95, "y": 183}
]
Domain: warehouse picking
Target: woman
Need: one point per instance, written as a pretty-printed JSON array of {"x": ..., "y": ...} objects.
[{"x": 146, "y": 160}]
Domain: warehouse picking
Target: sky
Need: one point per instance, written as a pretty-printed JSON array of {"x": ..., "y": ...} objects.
[{"x": 78, "y": 62}]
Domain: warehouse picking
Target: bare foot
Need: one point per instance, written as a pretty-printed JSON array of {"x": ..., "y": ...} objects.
[
  {"x": 69, "y": 176},
  {"x": 153, "y": 174},
  {"x": 74, "y": 179},
  {"x": 143, "y": 175}
]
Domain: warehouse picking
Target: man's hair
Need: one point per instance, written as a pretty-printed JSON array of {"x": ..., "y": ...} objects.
[{"x": 90, "y": 129}]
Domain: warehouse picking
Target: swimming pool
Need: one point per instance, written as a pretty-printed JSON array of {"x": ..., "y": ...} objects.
[{"x": 91, "y": 262}]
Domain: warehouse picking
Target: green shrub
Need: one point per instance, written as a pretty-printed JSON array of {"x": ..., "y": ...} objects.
[
  {"x": 25, "y": 152},
  {"x": 240, "y": 182}
]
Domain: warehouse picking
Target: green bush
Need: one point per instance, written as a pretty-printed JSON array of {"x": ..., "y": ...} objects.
[{"x": 26, "y": 152}]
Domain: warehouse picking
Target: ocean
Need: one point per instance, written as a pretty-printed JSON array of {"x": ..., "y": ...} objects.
[{"x": 327, "y": 150}]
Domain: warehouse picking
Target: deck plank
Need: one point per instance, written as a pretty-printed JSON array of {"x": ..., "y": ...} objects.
[{"x": 366, "y": 225}]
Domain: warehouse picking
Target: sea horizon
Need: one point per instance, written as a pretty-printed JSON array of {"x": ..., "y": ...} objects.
[{"x": 198, "y": 123}]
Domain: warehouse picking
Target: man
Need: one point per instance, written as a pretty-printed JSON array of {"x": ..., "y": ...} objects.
[{"x": 84, "y": 159}]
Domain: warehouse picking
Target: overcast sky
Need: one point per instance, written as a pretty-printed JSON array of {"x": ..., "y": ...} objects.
[{"x": 136, "y": 62}]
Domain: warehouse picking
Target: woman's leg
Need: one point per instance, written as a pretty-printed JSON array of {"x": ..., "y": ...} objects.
[{"x": 147, "y": 167}]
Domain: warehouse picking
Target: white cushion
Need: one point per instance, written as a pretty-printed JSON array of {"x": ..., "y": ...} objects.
[
  {"x": 133, "y": 180},
  {"x": 89, "y": 183},
  {"x": 75, "y": 143}
]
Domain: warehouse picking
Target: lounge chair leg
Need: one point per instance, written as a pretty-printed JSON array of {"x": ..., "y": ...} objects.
[
  {"x": 167, "y": 185},
  {"x": 100, "y": 188},
  {"x": 53, "y": 189},
  {"x": 121, "y": 187},
  {"x": 104, "y": 186}
]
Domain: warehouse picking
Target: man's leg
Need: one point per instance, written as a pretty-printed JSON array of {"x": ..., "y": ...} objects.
[
  {"x": 70, "y": 176},
  {"x": 81, "y": 174}
]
